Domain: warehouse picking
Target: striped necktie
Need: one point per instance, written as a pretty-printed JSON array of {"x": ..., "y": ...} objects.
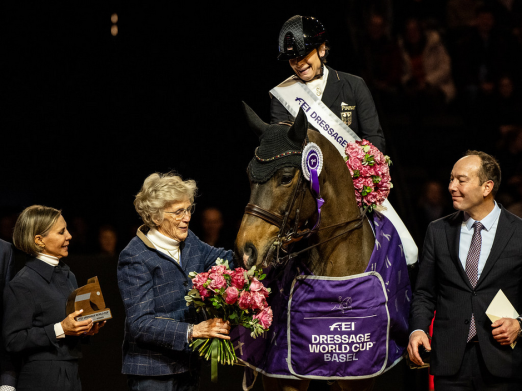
[{"x": 472, "y": 262}]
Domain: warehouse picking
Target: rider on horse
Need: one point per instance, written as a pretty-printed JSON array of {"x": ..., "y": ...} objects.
[
  {"x": 340, "y": 99},
  {"x": 303, "y": 42}
]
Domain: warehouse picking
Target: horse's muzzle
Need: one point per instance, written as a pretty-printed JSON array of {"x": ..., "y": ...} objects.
[{"x": 249, "y": 255}]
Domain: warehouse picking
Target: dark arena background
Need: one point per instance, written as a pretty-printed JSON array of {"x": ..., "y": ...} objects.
[{"x": 98, "y": 95}]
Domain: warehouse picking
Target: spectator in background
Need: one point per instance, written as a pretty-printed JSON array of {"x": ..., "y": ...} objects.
[
  {"x": 461, "y": 14},
  {"x": 107, "y": 240},
  {"x": 510, "y": 155},
  {"x": 7, "y": 368},
  {"x": 506, "y": 105},
  {"x": 358, "y": 13},
  {"x": 427, "y": 68},
  {"x": 508, "y": 13},
  {"x": 496, "y": 115},
  {"x": 381, "y": 61},
  {"x": 7, "y": 223},
  {"x": 460, "y": 19},
  {"x": 428, "y": 12},
  {"x": 482, "y": 57},
  {"x": 212, "y": 223},
  {"x": 432, "y": 205},
  {"x": 80, "y": 230},
  {"x": 433, "y": 201},
  {"x": 516, "y": 207},
  {"x": 103, "y": 265}
]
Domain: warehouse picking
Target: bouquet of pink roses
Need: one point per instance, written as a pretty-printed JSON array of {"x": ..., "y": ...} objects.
[
  {"x": 370, "y": 172},
  {"x": 234, "y": 295}
]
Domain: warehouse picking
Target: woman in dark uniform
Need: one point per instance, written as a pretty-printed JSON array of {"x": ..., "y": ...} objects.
[
  {"x": 303, "y": 42},
  {"x": 35, "y": 326}
]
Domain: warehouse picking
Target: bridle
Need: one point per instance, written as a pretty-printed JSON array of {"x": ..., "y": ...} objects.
[{"x": 291, "y": 235}]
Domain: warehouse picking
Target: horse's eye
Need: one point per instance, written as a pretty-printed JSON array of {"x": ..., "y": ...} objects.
[{"x": 286, "y": 179}]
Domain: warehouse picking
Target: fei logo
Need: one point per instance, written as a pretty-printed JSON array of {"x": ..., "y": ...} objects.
[
  {"x": 344, "y": 326},
  {"x": 343, "y": 305}
]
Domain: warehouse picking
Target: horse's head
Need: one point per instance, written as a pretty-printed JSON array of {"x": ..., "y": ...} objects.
[{"x": 275, "y": 177}]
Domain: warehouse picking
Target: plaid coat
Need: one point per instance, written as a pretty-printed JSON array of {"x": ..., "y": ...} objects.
[{"x": 153, "y": 288}]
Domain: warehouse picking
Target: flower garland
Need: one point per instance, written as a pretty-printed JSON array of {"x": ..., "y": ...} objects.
[{"x": 370, "y": 172}]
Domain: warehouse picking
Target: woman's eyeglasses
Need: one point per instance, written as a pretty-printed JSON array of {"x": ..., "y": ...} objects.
[{"x": 180, "y": 213}]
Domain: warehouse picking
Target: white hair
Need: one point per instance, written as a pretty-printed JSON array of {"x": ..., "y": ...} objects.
[{"x": 159, "y": 190}]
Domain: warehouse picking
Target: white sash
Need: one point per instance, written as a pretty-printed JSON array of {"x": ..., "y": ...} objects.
[{"x": 292, "y": 94}]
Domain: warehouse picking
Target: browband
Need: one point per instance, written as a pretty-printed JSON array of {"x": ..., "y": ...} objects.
[{"x": 284, "y": 154}]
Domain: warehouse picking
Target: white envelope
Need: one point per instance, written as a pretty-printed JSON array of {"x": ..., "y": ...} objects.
[{"x": 501, "y": 307}]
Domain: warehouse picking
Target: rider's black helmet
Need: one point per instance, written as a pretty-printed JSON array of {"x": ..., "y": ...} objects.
[{"x": 299, "y": 36}]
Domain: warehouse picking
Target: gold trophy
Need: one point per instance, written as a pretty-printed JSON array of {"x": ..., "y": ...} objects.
[{"x": 88, "y": 298}]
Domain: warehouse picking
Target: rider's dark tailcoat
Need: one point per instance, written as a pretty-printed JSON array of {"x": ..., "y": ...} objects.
[{"x": 349, "y": 99}]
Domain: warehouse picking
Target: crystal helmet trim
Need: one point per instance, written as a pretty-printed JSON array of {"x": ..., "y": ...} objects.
[{"x": 300, "y": 35}]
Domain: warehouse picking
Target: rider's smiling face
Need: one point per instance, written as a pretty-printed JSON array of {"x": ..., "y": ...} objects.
[{"x": 309, "y": 66}]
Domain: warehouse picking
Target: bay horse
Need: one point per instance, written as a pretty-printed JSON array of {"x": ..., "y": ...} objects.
[{"x": 283, "y": 209}]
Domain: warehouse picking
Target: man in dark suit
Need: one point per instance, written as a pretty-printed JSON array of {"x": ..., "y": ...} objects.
[
  {"x": 468, "y": 256},
  {"x": 7, "y": 370}
]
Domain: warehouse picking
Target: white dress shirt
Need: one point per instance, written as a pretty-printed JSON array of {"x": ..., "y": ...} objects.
[
  {"x": 53, "y": 261},
  {"x": 318, "y": 85},
  {"x": 166, "y": 245},
  {"x": 490, "y": 223}
]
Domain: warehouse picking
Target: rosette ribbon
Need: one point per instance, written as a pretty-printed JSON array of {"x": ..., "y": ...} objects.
[{"x": 316, "y": 191}]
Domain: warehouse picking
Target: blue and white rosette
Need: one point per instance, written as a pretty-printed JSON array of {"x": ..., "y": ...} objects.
[{"x": 312, "y": 160}]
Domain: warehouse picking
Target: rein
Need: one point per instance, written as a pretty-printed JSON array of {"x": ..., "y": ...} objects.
[{"x": 294, "y": 235}]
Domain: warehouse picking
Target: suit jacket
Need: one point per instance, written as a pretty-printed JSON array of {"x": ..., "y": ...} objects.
[
  {"x": 34, "y": 301},
  {"x": 153, "y": 288},
  {"x": 443, "y": 286},
  {"x": 7, "y": 369},
  {"x": 359, "y": 106}
]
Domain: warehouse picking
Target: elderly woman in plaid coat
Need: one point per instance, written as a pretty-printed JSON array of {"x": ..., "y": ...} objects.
[{"x": 153, "y": 280}]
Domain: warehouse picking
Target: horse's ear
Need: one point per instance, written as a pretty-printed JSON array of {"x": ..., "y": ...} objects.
[
  {"x": 255, "y": 123},
  {"x": 297, "y": 132}
]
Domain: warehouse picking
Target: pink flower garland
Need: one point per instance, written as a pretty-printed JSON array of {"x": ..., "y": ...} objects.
[{"x": 370, "y": 173}]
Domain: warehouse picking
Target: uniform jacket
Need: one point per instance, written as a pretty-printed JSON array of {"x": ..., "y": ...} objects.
[
  {"x": 7, "y": 370},
  {"x": 443, "y": 286},
  {"x": 153, "y": 288},
  {"x": 34, "y": 301},
  {"x": 348, "y": 97}
]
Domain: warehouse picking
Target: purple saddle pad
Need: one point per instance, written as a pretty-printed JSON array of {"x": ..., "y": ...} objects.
[{"x": 338, "y": 328}]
